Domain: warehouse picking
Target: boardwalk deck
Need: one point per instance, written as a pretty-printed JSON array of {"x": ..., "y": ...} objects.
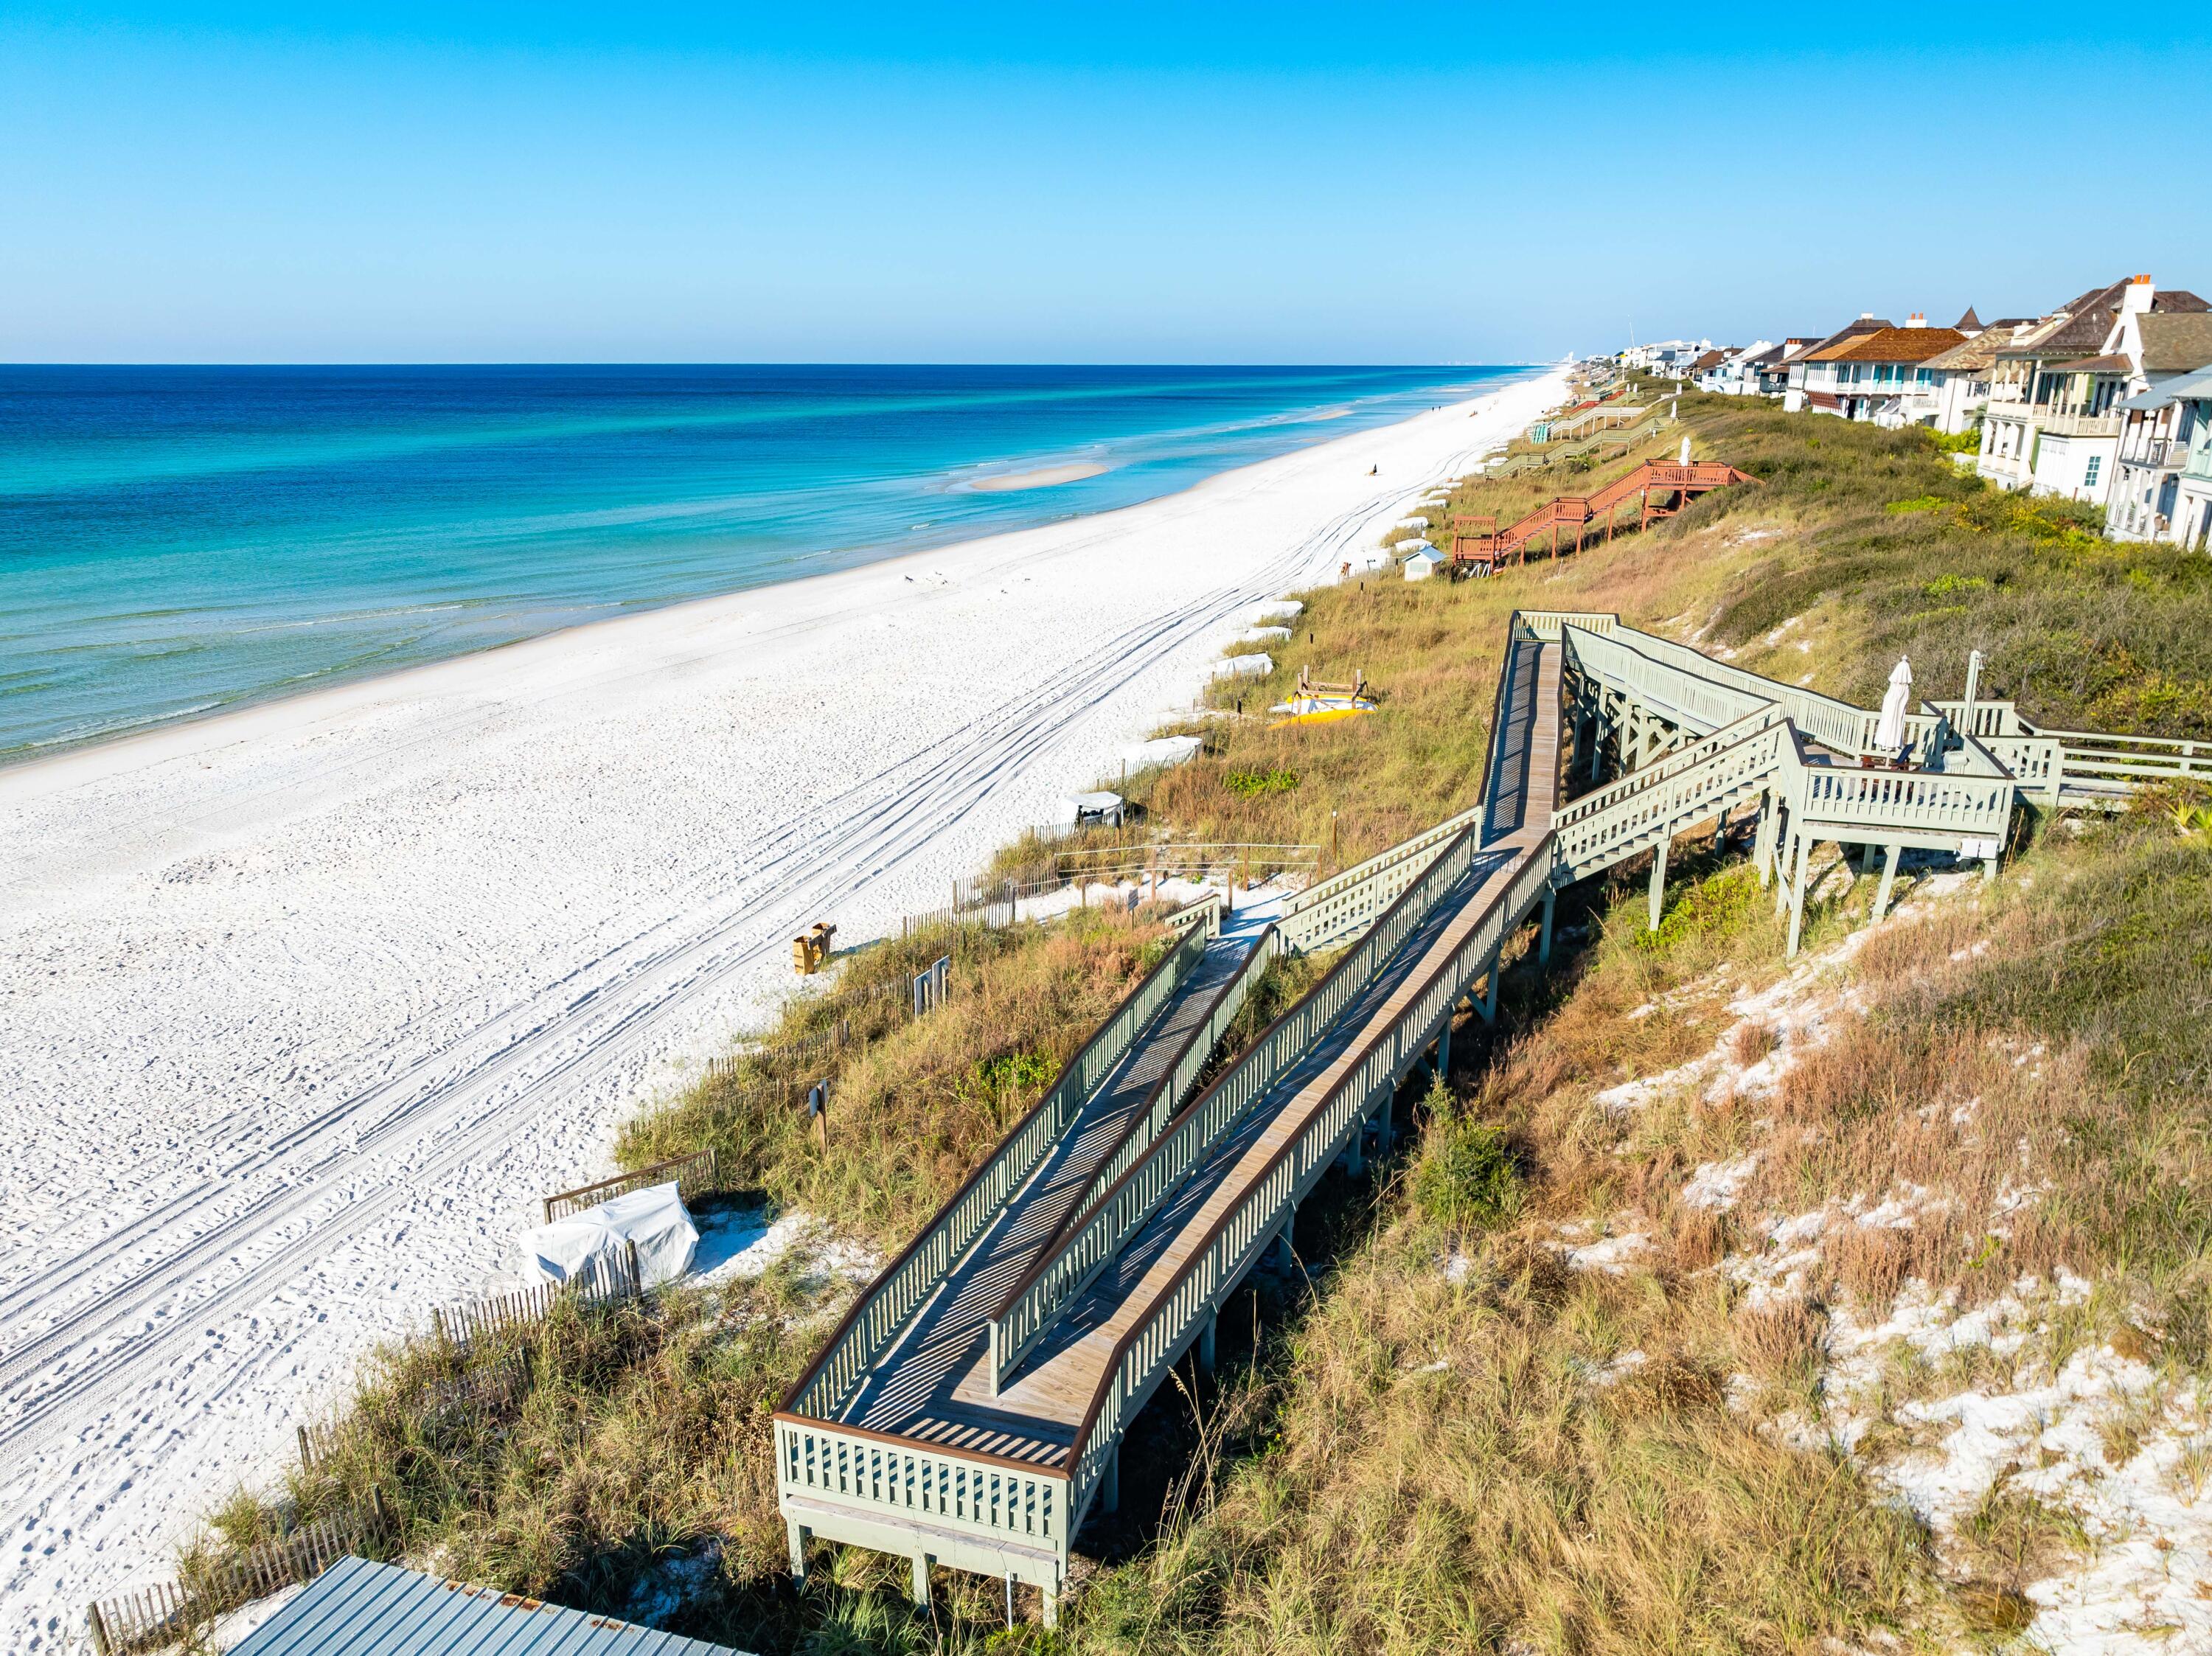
[{"x": 932, "y": 1385}]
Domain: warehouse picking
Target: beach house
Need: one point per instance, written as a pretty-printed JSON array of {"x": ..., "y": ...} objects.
[
  {"x": 1795, "y": 399},
  {"x": 1735, "y": 374},
  {"x": 2192, "y": 513},
  {"x": 2159, "y": 428},
  {"x": 1962, "y": 374},
  {"x": 1880, "y": 375},
  {"x": 2052, "y": 422}
]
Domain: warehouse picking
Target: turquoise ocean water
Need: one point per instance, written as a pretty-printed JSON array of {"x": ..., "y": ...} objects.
[{"x": 177, "y": 541}]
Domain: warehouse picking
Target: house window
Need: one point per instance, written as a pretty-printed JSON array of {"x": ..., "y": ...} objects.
[{"x": 2089, "y": 472}]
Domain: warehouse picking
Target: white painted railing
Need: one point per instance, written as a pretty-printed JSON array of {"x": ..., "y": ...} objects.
[
  {"x": 1092, "y": 1242},
  {"x": 1344, "y": 902},
  {"x": 875, "y": 1320},
  {"x": 991, "y": 1498},
  {"x": 1329, "y": 1117}
]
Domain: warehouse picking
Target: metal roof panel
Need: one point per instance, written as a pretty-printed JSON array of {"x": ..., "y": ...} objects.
[{"x": 357, "y": 1608}]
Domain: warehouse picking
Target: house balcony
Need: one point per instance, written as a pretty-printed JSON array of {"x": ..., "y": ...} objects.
[
  {"x": 2199, "y": 466},
  {"x": 2154, "y": 453},
  {"x": 2052, "y": 423}
]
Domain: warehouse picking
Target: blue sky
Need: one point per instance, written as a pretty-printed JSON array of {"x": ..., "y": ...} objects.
[{"x": 1131, "y": 183}]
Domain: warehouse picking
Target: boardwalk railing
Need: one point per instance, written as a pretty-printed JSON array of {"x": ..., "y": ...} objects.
[
  {"x": 875, "y": 1320},
  {"x": 1092, "y": 1243},
  {"x": 1185, "y": 1065},
  {"x": 695, "y": 1174},
  {"x": 1611, "y": 823},
  {"x": 1013, "y": 1507},
  {"x": 1332, "y": 1114},
  {"x": 170, "y": 1613},
  {"x": 1344, "y": 902}
]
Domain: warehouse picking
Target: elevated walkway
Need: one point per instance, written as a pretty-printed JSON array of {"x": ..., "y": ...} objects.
[
  {"x": 1674, "y": 485},
  {"x": 970, "y": 1410}
]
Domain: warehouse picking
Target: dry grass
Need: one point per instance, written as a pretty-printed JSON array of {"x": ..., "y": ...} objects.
[{"x": 915, "y": 1104}]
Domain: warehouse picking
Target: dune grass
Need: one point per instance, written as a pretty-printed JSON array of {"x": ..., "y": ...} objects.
[{"x": 915, "y": 1104}]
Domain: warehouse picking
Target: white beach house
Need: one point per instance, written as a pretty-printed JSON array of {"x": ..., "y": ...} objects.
[{"x": 2053, "y": 421}]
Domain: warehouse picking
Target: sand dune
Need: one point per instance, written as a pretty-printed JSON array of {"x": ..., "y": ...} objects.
[{"x": 308, "y": 1005}]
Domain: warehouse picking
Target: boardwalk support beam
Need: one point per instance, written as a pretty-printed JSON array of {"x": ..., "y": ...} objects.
[
  {"x": 1544, "y": 941},
  {"x": 1658, "y": 882},
  {"x": 1896, "y": 850}
]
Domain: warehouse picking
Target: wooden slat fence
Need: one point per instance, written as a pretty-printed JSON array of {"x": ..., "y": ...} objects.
[
  {"x": 154, "y": 1618},
  {"x": 699, "y": 1173},
  {"x": 612, "y": 1282}
]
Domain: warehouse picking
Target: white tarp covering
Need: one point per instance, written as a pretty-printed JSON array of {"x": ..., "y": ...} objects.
[
  {"x": 1163, "y": 750},
  {"x": 1264, "y": 635},
  {"x": 654, "y": 1219},
  {"x": 1244, "y": 667},
  {"x": 1413, "y": 523},
  {"x": 1413, "y": 543},
  {"x": 1278, "y": 610}
]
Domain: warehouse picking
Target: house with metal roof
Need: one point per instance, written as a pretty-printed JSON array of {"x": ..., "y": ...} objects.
[
  {"x": 356, "y": 1608},
  {"x": 2053, "y": 424}
]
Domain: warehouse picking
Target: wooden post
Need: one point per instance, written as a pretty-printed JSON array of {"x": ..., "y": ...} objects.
[
  {"x": 1658, "y": 883},
  {"x": 921, "y": 1581},
  {"x": 797, "y": 1532},
  {"x": 1888, "y": 881},
  {"x": 1544, "y": 939},
  {"x": 1206, "y": 1340},
  {"x": 1797, "y": 895},
  {"x": 636, "y": 1281},
  {"x": 1110, "y": 1498},
  {"x": 99, "y": 1627}
]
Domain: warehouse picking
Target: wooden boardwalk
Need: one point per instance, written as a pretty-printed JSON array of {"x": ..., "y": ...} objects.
[
  {"x": 906, "y": 1447},
  {"x": 934, "y": 1385},
  {"x": 1039, "y": 1412}
]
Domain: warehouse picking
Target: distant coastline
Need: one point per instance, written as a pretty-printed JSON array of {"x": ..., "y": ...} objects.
[{"x": 207, "y": 539}]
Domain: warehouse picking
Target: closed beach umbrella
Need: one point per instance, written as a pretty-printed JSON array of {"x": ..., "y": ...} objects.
[{"x": 1889, "y": 729}]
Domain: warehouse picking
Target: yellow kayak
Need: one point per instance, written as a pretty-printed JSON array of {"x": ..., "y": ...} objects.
[{"x": 1320, "y": 709}]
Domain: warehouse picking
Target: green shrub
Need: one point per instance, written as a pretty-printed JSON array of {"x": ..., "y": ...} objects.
[
  {"x": 1466, "y": 1177},
  {"x": 1250, "y": 784}
]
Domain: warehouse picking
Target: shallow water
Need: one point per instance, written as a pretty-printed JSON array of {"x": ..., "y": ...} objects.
[{"x": 174, "y": 541}]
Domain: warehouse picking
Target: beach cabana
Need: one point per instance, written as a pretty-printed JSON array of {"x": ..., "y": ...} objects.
[
  {"x": 1076, "y": 810},
  {"x": 1424, "y": 564}
]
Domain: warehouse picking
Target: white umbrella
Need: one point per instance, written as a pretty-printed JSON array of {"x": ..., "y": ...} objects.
[{"x": 1889, "y": 729}]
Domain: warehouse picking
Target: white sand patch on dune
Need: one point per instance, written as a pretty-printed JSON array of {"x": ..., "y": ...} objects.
[{"x": 309, "y": 1004}]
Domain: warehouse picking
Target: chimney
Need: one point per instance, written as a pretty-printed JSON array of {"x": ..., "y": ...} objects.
[
  {"x": 2141, "y": 291},
  {"x": 1918, "y": 319}
]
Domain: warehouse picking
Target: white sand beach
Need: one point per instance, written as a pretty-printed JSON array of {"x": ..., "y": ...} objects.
[{"x": 306, "y": 1006}]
